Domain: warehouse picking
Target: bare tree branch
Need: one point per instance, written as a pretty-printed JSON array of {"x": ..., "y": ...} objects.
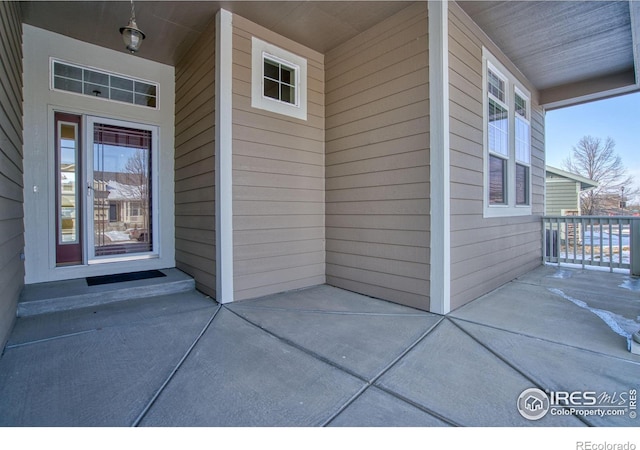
[{"x": 597, "y": 160}]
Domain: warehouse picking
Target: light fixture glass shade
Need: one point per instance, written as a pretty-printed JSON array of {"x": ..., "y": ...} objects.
[{"x": 132, "y": 36}]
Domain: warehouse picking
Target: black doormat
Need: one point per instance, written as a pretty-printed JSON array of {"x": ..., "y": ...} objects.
[{"x": 119, "y": 278}]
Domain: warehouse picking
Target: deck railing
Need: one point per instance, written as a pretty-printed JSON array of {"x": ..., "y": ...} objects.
[{"x": 612, "y": 242}]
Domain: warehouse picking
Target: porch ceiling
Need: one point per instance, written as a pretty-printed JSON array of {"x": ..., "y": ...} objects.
[
  {"x": 173, "y": 26},
  {"x": 572, "y": 51}
]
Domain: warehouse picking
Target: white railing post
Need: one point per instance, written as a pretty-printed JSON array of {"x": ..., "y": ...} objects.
[{"x": 634, "y": 247}]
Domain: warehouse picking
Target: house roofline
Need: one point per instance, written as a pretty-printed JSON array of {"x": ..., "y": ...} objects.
[{"x": 585, "y": 183}]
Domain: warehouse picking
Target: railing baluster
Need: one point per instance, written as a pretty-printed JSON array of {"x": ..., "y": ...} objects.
[
  {"x": 584, "y": 227},
  {"x": 565, "y": 240},
  {"x": 610, "y": 247},
  {"x": 601, "y": 243},
  {"x": 576, "y": 231},
  {"x": 620, "y": 238}
]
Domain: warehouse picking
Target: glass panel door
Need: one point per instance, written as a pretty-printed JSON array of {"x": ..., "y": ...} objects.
[{"x": 120, "y": 187}]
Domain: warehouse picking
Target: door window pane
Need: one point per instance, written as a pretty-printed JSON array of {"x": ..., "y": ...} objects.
[
  {"x": 122, "y": 191},
  {"x": 68, "y": 192}
]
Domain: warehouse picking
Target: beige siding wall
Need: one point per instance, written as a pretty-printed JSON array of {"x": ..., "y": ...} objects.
[
  {"x": 278, "y": 179},
  {"x": 562, "y": 194},
  {"x": 485, "y": 253},
  {"x": 11, "y": 184},
  {"x": 377, "y": 161},
  {"x": 195, "y": 163}
]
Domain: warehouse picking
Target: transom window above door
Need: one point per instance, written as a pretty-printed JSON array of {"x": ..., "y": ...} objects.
[{"x": 98, "y": 83}]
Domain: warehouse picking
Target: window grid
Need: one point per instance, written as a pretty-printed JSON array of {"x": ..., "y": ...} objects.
[
  {"x": 95, "y": 83},
  {"x": 496, "y": 86},
  {"x": 521, "y": 106},
  {"x": 279, "y": 80}
]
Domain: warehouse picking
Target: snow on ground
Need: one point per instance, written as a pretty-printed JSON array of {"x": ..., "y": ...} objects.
[
  {"x": 619, "y": 324},
  {"x": 117, "y": 236},
  {"x": 632, "y": 284}
]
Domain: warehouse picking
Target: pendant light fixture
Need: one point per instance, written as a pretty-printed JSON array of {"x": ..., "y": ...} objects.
[{"x": 131, "y": 34}]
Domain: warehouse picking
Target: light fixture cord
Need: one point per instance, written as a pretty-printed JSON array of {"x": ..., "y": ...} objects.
[{"x": 133, "y": 11}]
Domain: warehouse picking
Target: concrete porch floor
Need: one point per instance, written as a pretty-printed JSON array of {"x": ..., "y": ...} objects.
[{"x": 323, "y": 357}]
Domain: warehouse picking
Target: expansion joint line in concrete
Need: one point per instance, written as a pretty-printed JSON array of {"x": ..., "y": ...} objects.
[
  {"x": 493, "y": 327},
  {"x": 505, "y": 361},
  {"x": 175, "y": 369},
  {"x": 367, "y": 382},
  {"x": 373, "y": 380},
  {"x": 53, "y": 338},
  {"x": 335, "y": 313},
  {"x": 293, "y": 344}
]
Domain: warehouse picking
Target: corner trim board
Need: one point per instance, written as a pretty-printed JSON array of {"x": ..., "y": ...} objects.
[
  {"x": 223, "y": 157},
  {"x": 440, "y": 262}
]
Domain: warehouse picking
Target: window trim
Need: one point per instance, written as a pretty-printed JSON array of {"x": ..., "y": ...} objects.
[
  {"x": 261, "y": 50},
  {"x": 512, "y": 87}
]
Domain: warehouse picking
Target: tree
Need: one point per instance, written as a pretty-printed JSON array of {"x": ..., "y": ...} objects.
[
  {"x": 136, "y": 185},
  {"x": 597, "y": 160}
]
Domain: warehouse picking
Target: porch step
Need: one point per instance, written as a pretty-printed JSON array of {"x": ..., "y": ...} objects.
[{"x": 42, "y": 298}]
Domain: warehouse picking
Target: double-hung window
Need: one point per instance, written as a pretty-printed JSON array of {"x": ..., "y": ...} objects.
[{"x": 507, "y": 142}]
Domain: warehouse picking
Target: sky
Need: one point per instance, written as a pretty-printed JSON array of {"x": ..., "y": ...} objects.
[{"x": 618, "y": 118}]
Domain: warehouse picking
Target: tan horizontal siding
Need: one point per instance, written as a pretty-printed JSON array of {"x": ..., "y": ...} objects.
[
  {"x": 295, "y": 280},
  {"x": 278, "y": 178},
  {"x": 377, "y": 161},
  {"x": 485, "y": 253},
  {"x": 269, "y": 222},
  {"x": 11, "y": 165},
  {"x": 195, "y": 163},
  {"x": 516, "y": 265}
]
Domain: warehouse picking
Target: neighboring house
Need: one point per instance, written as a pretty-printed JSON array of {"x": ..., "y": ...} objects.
[
  {"x": 562, "y": 196},
  {"x": 397, "y": 153}
]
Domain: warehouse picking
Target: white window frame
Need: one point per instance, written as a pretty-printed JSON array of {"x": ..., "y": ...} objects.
[
  {"x": 261, "y": 50},
  {"x": 512, "y": 86}
]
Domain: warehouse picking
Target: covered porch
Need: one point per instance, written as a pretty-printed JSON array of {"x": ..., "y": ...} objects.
[
  {"x": 387, "y": 198},
  {"x": 323, "y": 356}
]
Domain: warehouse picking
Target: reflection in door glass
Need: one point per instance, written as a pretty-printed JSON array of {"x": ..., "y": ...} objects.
[
  {"x": 121, "y": 190},
  {"x": 68, "y": 193}
]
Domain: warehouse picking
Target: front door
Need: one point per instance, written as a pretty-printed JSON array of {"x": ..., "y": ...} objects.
[{"x": 113, "y": 204}]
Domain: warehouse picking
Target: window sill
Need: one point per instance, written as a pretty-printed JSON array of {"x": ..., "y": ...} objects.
[{"x": 497, "y": 211}]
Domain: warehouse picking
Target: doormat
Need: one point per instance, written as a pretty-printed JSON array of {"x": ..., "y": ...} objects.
[{"x": 121, "y": 277}]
